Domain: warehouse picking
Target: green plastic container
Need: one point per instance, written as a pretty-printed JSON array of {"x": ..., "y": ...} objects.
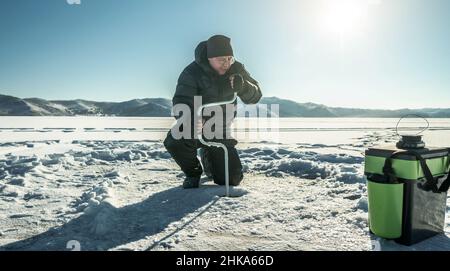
[
  {"x": 385, "y": 216},
  {"x": 401, "y": 205}
]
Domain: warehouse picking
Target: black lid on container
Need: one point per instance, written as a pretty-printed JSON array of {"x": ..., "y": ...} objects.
[{"x": 387, "y": 150}]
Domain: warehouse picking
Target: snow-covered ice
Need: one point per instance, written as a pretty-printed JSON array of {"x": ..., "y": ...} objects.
[{"x": 114, "y": 187}]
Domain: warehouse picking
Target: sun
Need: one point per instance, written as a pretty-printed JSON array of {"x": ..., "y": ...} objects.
[{"x": 343, "y": 18}]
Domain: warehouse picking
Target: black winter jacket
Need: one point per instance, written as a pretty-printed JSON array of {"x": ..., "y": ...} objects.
[{"x": 200, "y": 79}]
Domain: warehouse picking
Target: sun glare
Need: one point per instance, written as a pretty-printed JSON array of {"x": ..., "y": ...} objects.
[{"x": 343, "y": 18}]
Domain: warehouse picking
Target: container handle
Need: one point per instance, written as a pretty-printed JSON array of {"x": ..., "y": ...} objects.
[{"x": 412, "y": 115}]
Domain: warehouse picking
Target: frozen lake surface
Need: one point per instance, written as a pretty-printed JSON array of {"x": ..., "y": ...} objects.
[
  {"x": 109, "y": 184},
  {"x": 288, "y": 130}
]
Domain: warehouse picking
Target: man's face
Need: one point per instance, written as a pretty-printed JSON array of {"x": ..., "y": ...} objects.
[{"x": 221, "y": 64}]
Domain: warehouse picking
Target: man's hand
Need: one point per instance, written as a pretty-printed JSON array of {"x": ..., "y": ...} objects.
[{"x": 237, "y": 82}]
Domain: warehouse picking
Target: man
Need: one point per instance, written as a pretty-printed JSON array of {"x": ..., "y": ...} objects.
[{"x": 215, "y": 76}]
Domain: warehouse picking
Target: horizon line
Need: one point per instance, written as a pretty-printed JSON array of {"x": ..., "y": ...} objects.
[{"x": 316, "y": 103}]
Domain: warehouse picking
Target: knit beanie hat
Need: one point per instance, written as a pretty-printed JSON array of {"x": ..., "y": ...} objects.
[{"x": 219, "y": 45}]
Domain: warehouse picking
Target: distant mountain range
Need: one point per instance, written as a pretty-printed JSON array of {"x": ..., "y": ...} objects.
[
  {"x": 160, "y": 107},
  {"x": 13, "y": 106}
]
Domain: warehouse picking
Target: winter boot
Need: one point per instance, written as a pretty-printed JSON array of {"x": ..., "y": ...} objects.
[{"x": 191, "y": 182}]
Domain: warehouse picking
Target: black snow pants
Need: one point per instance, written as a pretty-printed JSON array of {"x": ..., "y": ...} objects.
[{"x": 184, "y": 152}]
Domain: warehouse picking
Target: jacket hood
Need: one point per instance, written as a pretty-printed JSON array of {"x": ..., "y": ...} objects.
[{"x": 201, "y": 58}]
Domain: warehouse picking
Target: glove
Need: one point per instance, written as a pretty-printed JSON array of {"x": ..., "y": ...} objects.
[{"x": 237, "y": 82}]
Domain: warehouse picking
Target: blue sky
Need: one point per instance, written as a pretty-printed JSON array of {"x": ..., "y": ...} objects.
[{"x": 350, "y": 53}]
